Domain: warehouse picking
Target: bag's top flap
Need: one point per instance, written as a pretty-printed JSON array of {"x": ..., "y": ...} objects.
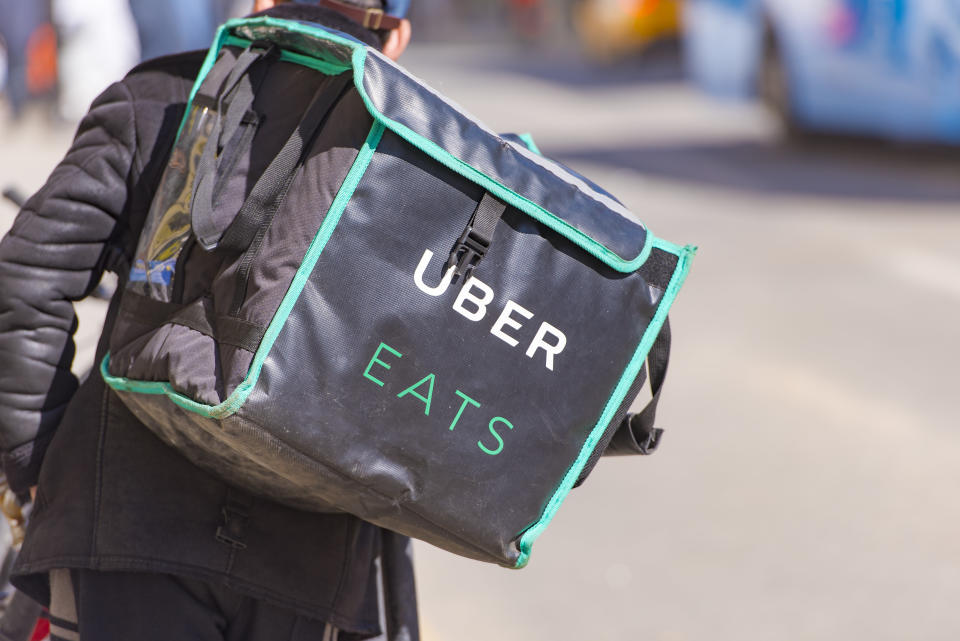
[{"x": 548, "y": 192}]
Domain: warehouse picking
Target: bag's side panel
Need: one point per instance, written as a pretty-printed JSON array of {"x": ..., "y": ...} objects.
[
  {"x": 684, "y": 255},
  {"x": 658, "y": 271},
  {"x": 387, "y": 381},
  {"x": 235, "y": 448},
  {"x": 272, "y": 267},
  {"x": 207, "y": 353}
]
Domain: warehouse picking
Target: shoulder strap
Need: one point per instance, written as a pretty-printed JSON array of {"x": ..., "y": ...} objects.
[
  {"x": 228, "y": 229},
  {"x": 637, "y": 434},
  {"x": 207, "y": 219},
  {"x": 272, "y": 186}
]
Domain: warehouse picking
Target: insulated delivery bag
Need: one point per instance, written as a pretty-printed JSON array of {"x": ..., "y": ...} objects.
[{"x": 351, "y": 296}]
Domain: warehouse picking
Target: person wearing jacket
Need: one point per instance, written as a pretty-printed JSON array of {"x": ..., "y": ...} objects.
[{"x": 127, "y": 539}]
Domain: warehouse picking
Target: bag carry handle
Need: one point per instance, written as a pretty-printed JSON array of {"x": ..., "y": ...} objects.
[
  {"x": 636, "y": 434},
  {"x": 207, "y": 223},
  {"x": 268, "y": 192},
  {"x": 475, "y": 240},
  {"x": 246, "y": 232},
  {"x": 236, "y": 233}
]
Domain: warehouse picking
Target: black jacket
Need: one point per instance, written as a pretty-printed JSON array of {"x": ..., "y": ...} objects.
[{"x": 111, "y": 495}]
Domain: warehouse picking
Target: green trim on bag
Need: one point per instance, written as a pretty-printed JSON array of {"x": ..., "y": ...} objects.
[
  {"x": 504, "y": 193},
  {"x": 427, "y": 146},
  {"x": 583, "y": 241},
  {"x": 223, "y": 35},
  {"x": 527, "y": 139},
  {"x": 323, "y": 66},
  {"x": 239, "y": 396},
  {"x": 208, "y": 63},
  {"x": 685, "y": 255}
]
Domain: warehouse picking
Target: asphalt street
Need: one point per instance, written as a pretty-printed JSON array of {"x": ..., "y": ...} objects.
[{"x": 806, "y": 488}]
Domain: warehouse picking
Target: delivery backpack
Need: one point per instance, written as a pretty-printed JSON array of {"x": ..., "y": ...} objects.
[{"x": 350, "y": 296}]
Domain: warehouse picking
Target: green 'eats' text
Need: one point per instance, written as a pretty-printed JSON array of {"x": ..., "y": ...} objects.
[{"x": 423, "y": 391}]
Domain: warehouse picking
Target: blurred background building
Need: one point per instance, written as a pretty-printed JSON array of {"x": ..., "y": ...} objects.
[
  {"x": 889, "y": 68},
  {"x": 806, "y": 487}
]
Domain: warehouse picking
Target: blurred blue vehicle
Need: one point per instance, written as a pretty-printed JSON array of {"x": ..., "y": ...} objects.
[{"x": 879, "y": 67}]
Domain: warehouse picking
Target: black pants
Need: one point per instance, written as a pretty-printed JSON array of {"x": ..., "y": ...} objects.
[{"x": 120, "y": 606}]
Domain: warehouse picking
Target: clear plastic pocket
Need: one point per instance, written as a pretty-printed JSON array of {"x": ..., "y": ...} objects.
[{"x": 167, "y": 228}]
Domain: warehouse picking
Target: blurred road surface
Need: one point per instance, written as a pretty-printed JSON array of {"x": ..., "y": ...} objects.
[{"x": 807, "y": 486}]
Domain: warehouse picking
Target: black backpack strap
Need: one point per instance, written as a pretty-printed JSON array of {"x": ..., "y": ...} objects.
[
  {"x": 475, "y": 240},
  {"x": 234, "y": 126},
  {"x": 271, "y": 187},
  {"x": 245, "y": 234},
  {"x": 637, "y": 434}
]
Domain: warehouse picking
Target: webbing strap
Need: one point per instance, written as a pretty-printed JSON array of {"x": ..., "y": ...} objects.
[
  {"x": 637, "y": 434},
  {"x": 245, "y": 234},
  {"x": 270, "y": 188},
  {"x": 226, "y": 330},
  {"x": 244, "y": 61},
  {"x": 475, "y": 240},
  {"x": 199, "y": 316},
  {"x": 486, "y": 217},
  {"x": 240, "y": 84},
  {"x": 207, "y": 220}
]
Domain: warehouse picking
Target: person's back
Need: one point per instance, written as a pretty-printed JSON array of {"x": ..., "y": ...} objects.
[{"x": 127, "y": 538}]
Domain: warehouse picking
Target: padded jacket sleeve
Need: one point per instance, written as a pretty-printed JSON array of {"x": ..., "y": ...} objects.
[{"x": 53, "y": 256}]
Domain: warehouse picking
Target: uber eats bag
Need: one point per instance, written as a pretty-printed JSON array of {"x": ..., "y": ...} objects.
[{"x": 351, "y": 296}]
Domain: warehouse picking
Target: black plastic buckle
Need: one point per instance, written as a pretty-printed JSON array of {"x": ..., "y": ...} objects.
[
  {"x": 231, "y": 531},
  {"x": 652, "y": 442},
  {"x": 467, "y": 253},
  {"x": 271, "y": 51},
  {"x": 263, "y": 43}
]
